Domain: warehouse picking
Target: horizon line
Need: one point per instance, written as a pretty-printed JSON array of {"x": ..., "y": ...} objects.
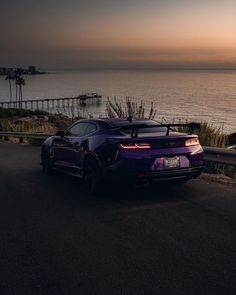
[{"x": 139, "y": 69}]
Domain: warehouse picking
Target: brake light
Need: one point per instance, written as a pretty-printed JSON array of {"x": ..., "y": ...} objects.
[
  {"x": 192, "y": 141},
  {"x": 129, "y": 146}
]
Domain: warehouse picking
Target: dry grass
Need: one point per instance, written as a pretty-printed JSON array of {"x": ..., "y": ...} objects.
[
  {"x": 8, "y": 125},
  {"x": 115, "y": 109},
  {"x": 210, "y": 135}
]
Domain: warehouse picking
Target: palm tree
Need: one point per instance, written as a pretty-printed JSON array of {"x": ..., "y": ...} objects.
[
  {"x": 10, "y": 77},
  {"x": 17, "y": 78},
  {"x": 20, "y": 82}
]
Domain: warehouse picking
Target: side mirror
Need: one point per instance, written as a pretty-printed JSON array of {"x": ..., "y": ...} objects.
[{"x": 60, "y": 133}]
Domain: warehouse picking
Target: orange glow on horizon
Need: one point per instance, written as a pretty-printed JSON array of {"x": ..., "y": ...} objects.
[{"x": 157, "y": 32}]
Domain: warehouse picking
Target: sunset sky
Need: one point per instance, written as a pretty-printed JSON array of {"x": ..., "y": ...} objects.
[{"x": 118, "y": 33}]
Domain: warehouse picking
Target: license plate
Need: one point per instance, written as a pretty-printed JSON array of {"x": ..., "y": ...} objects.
[{"x": 173, "y": 162}]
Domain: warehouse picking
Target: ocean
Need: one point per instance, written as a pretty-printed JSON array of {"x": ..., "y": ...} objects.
[{"x": 177, "y": 95}]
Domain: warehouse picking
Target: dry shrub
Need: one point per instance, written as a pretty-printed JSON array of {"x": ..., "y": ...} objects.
[{"x": 115, "y": 109}]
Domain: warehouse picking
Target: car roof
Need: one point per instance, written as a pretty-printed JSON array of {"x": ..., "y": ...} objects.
[
  {"x": 107, "y": 123},
  {"x": 124, "y": 121},
  {"x": 117, "y": 121}
]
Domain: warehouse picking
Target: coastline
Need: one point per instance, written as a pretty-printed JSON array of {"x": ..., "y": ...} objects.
[{"x": 197, "y": 96}]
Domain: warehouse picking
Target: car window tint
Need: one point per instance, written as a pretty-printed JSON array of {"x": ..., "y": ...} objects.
[
  {"x": 158, "y": 127},
  {"x": 77, "y": 130},
  {"x": 90, "y": 128},
  {"x": 149, "y": 130}
]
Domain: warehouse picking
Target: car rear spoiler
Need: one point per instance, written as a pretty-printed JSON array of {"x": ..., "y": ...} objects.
[{"x": 135, "y": 127}]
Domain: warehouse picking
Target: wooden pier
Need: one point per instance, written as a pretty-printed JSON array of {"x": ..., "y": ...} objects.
[{"x": 54, "y": 103}]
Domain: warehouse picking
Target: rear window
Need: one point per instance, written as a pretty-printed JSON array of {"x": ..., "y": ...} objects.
[
  {"x": 158, "y": 127},
  {"x": 148, "y": 130}
]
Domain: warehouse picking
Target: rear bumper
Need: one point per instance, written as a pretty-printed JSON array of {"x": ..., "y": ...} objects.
[
  {"x": 192, "y": 172},
  {"x": 184, "y": 173}
]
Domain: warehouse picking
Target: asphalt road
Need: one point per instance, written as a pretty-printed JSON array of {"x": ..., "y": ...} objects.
[{"x": 56, "y": 239}]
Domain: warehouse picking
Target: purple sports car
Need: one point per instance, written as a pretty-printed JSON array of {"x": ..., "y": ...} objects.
[{"x": 136, "y": 151}]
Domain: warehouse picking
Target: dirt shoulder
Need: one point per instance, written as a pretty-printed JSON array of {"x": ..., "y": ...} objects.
[{"x": 218, "y": 178}]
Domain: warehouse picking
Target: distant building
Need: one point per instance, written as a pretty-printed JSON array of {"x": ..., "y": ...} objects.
[
  {"x": 30, "y": 71},
  {"x": 5, "y": 71}
]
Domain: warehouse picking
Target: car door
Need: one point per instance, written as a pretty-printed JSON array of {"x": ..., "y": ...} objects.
[
  {"x": 67, "y": 148},
  {"x": 83, "y": 143}
]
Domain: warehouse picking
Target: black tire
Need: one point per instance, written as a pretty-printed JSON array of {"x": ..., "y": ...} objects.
[{"x": 92, "y": 175}]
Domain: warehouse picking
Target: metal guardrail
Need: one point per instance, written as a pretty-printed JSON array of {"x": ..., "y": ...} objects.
[
  {"x": 220, "y": 155},
  {"x": 211, "y": 154},
  {"x": 5, "y": 135}
]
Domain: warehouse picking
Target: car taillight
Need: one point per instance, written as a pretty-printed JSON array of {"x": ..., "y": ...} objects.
[
  {"x": 192, "y": 141},
  {"x": 129, "y": 146}
]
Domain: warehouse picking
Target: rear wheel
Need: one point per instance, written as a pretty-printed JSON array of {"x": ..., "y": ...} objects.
[{"x": 92, "y": 175}]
